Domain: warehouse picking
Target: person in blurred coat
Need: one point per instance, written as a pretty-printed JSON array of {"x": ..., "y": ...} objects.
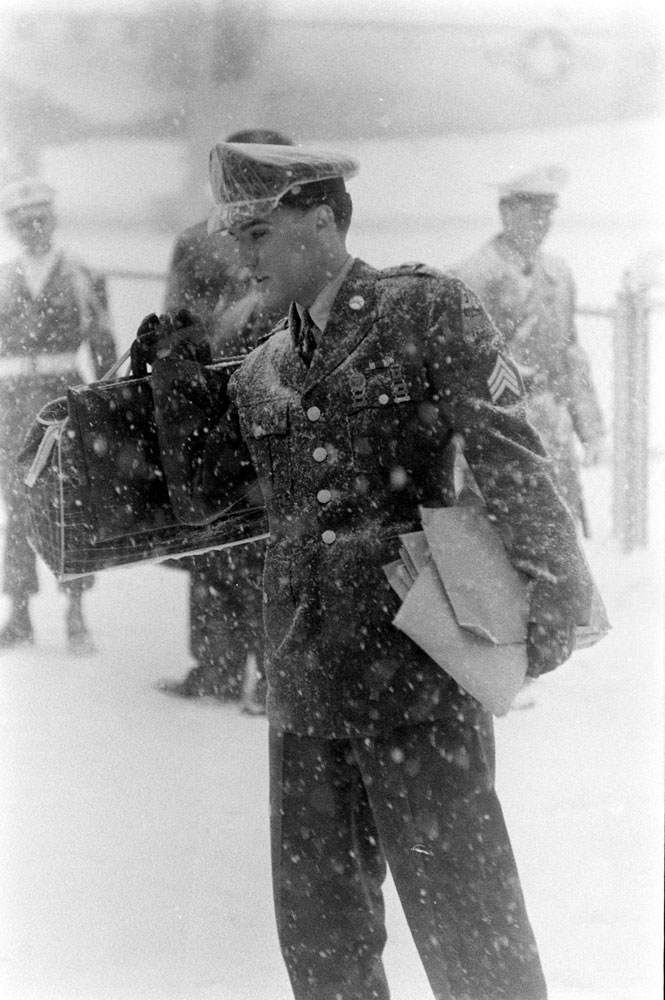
[
  {"x": 347, "y": 411},
  {"x": 50, "y": 305},
  {"x": 225, "y": 596},
  {"x": 530, "y": 295}
]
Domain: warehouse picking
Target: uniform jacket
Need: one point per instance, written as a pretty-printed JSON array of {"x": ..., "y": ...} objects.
[
  {"x": 346, "y": 451},
  {"x": 534, "y": 308},
  {"x": 69, "y": 311}
]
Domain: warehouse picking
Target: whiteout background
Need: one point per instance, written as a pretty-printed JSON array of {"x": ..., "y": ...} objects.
[{"x": 134, "y": 828}]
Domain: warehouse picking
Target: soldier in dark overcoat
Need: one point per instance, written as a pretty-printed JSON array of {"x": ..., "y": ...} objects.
[
  {"x": 51, "y": 304},
  {"x": 224, "y": 589},
  {"x": 225, "y": 594},
  {"x": 377, "y": 756}
]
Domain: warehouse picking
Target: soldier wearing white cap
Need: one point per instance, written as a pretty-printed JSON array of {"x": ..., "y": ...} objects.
[
  {"x": 50, "y": 305},
  {"x": 348, "y": 411},
  {"x": 530, "y": 295}
]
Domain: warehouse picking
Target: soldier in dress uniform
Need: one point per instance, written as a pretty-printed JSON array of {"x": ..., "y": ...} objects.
[
  {"x": 530, "y": 296},
  {"x": 349, "y": 410},
  {"x": 50, "y": 305},
  {"x": 225, "y": 595}
]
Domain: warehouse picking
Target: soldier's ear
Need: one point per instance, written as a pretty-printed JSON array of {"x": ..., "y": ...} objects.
[{"x": 324, "y": 217}]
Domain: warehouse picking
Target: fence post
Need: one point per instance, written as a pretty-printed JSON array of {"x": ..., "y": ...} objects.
[{"x": 631, "y": 416}]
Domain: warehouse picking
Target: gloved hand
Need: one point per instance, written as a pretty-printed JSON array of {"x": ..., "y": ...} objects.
[
  {"x": 181, "y": 334},
  {"x": 547, "y": 647}
]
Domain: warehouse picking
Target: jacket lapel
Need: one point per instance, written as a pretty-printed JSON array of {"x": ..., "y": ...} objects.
[
  {"x": 56, "y": 276},
  {"x": 17, "y": 285},
  {"x": 351, "y": 319}
]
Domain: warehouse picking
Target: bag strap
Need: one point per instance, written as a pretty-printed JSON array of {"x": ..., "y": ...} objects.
[
  {"x": 47, "y": 421},
  {"x": 43, "y": 453}
]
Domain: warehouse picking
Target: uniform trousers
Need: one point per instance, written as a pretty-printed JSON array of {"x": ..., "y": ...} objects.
[
  {"x": 226, "y": 615},
  {"x": 420, "y": 799}
]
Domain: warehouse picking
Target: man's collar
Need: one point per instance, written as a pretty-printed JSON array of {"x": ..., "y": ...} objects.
[
  {"x": 322, "y": 304},
  {"x": 39, "y": 261},
  {"x": 516, "y": 254}
]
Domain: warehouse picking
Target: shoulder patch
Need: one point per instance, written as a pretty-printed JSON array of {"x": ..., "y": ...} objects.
[
  {"x": 409, "y": 270},
  {"x": 503, "y": 377}
]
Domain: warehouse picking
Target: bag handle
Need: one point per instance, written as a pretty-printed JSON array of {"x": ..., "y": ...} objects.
[
  {"x": 231, "y": 362},
  {"x": 116, "y": 366}
]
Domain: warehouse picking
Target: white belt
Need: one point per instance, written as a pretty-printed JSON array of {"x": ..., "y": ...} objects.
[{"x": 40, "y": 364}]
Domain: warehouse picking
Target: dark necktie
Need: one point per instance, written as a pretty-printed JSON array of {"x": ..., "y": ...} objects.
[{"x": 307, "y": 338}]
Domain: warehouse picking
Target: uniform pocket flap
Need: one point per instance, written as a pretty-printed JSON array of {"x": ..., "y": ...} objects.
[{"x": 267, "y": 418}]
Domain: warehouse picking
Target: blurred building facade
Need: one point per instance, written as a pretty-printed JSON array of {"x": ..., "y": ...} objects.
[{"x": 193, "y": 71}]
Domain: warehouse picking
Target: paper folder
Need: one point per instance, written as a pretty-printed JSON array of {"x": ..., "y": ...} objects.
[{"x": 467, "y": 606}]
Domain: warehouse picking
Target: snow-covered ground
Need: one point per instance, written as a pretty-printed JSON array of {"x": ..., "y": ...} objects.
[{"x": 134, "y": 831}]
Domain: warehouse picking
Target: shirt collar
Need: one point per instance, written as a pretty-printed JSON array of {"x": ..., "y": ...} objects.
[
  {"x": 321, "y": 307},
  {"x": 37, "y": 269},
  {"x": 513, "y": 254}
]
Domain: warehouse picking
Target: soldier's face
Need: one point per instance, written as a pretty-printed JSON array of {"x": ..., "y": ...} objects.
[
  {"x": 529, "y": 221},
  {"x": 284, "y": 252},
  {"x": 34, "y": 228}
]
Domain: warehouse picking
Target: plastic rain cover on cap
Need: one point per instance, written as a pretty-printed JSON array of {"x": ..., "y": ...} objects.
[{"x": 249, "y": 179}]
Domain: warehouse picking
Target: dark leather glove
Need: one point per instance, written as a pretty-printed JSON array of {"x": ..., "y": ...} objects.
[
  {"x": 181, "y": 334},
  {"x": 547, "y": 647}
]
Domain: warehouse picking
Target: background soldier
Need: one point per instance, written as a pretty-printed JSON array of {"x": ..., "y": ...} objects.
[
  {"x": 530, "y": 295},
  {"x": 50, "y": 305},
  {"x": 225, "y": 595},
  {"x": 348, "y": 411}
]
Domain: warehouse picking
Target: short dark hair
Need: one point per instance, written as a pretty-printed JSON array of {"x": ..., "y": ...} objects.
[
  {"x": 264, "y": 135},
  {"x": 331, "y": 192}
]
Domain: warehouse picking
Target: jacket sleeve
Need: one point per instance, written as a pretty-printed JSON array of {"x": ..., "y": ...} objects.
[
  {"x": 206, "y": 463},
  {"x": 478, "y": 390},
  {"x": 583, "y": 402}
]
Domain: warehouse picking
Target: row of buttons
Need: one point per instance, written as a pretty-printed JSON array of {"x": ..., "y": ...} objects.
[
  {"x": 313, "y": 414},
  {"x": 320, "y": 454}
]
